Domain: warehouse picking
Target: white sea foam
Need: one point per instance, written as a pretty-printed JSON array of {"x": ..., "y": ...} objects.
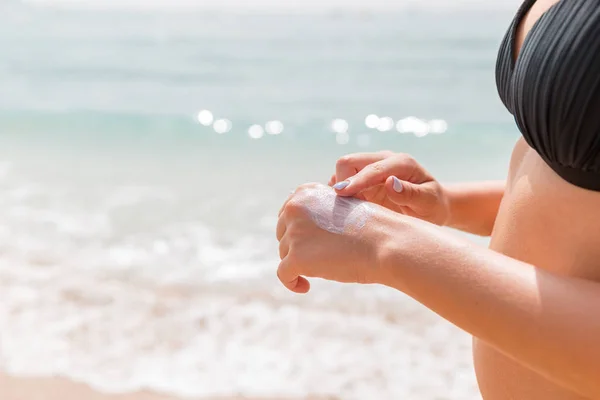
[
  {"x": 93, "y": 291},
  {"x": 121, "y": 334}
]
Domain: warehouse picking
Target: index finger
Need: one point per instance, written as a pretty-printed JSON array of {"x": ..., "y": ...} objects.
[
  {"x": 290, "y": 278},
  {"x": 377, "y": 173},
  {"x": 349, "y": 165}
]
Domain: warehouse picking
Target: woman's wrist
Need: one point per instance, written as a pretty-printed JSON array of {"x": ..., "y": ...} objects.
[
  {"x": 473, "y": 206},
  {"x": 454, "y": 195},
  {"x": 392, "y": 239}
]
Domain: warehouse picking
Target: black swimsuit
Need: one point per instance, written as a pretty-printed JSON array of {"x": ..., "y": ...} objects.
[{"x": 553, "y": 88}]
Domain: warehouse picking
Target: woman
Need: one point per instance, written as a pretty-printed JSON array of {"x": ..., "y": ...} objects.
[{"x": 531, "y": 301}]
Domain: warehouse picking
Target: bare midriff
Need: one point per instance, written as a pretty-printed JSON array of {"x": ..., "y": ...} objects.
[{"x": 545, "y": 221}]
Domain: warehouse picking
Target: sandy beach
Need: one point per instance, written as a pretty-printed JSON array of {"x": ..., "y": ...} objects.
[{"x": 12, "y": 388}]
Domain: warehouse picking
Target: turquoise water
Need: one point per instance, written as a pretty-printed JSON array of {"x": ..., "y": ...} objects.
[{"x": 139, "y": 242}]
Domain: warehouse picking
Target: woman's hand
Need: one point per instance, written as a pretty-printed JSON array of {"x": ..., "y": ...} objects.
[
  {"x": 392, "y": 180},
  {"x": 323, "y": 235}
]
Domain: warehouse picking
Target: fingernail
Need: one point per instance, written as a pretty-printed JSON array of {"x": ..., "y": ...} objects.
[
  {"x": 341, "y": 185},
  {"x": 397, "y": 185}
]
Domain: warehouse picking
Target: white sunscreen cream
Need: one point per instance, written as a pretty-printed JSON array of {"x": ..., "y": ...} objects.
[{"x": 334, "y": 213}]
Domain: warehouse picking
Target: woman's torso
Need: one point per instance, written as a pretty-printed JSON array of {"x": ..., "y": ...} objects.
[
  {"x": 545, "y": 221},
  {"x": 554, "y": 225}
]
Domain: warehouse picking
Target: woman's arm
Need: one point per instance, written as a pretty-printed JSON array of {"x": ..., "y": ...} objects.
[
  {"x": 474, "y": 206},
  {"x": 398, "y": 182},
  {"x": 547, "y": 322}
]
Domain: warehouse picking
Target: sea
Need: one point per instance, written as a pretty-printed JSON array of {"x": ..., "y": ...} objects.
[{"x": 146, "y": 147}]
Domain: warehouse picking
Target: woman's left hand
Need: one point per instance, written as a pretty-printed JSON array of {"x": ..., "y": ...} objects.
[{"x": 323, "y": 235}]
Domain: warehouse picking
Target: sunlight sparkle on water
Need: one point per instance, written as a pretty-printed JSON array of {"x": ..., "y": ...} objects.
[
  {"x": 372, "y": 121},
  {"x": 385, "y": 124},
  {"x": 339, "y": 125},
  {"x": 222, "y": 126},
  {"x": 407, "y": 125},
  {"x": 438, "y": 126},
  {"x": 421, "y": 129},
  {"x": 205, "y": 117},
  {"x": 256, "y": 131},
  {"x": 274, "y": 127}
]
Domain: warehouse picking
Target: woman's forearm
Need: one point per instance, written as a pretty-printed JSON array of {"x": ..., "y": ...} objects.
[
  {"x": 474, "y": 205},
  {"x": 546, "y": 322}
]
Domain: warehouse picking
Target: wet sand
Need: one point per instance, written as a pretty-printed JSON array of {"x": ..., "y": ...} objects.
[{"x": 12, "y": 388}]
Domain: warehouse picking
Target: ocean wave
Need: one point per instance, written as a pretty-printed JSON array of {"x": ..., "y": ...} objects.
[{"x": 245, "y": 338}]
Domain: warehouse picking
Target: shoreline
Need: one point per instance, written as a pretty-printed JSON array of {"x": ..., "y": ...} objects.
[{"x": 59, "y": 388}]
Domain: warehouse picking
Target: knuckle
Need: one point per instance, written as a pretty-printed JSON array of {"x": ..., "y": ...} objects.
[
  {"x": 282, "y": 274},
  {"x": 288, "y": 270},
  {"x": 307, "y": 186},
  {"x": 292, "y": 259},
  {"x": 387, "y": 153},
  {"x": 412, "y": 169},
  {"x": 346, "y": 160},
  {"x": 293, "y": 206},
  {"x": 409, "y": 194},
  {"x": 376, "y": 169},
  {"x": 406, "y": 158},
  {"x": 284, "y": 250}
]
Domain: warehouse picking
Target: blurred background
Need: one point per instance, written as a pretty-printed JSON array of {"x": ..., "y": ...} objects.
[{"x": 145, "y": 149}]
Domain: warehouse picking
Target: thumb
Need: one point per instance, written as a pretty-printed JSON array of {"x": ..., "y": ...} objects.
[{"x": 405, "y": 193}]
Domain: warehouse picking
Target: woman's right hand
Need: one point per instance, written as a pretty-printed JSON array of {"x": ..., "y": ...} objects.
[{"x": 392, "y": 180}]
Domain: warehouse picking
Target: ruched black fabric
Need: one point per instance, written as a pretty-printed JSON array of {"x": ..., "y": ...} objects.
[{"x": 553, "y": 87}]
